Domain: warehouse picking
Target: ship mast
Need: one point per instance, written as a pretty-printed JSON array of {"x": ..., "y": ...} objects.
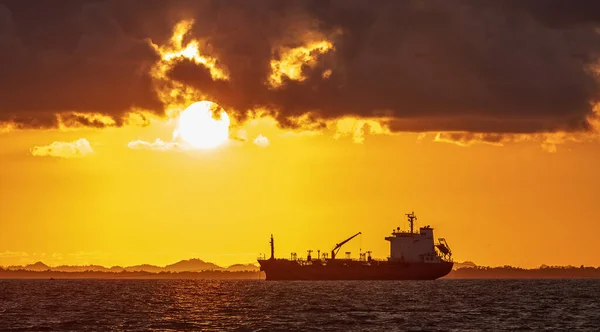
[
  {"x": 411, "y": 219},
  {"x": 272, "y": 247}
]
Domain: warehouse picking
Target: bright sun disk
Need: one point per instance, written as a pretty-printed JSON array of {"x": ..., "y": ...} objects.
[{"x": 203, "y": 125}]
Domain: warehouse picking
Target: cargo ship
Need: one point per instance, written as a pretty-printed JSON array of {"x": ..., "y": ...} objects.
[{"x": 413, "y": 256}]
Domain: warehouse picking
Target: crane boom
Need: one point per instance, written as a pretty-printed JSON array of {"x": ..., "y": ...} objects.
[{"x": 339, "y": 245}]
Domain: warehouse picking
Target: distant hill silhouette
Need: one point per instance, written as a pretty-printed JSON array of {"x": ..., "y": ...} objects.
[
  {"x": 242, "y": 267},
  {"x": 68, "y": 268},
  {"x": 38, "y": 266},
  {"x": 145, "y": 268},
  {"x": 458, "y": 265},
  {"x": 188, "y": 265},
  {"x": 218, "y": 275},
  {"x": 510, "y": 272},
  {"x": 198, "y": 269},
  {"x": 193, "y": 265}
]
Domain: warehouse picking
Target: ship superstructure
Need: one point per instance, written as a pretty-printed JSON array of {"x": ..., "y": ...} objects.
[
  {"x": 413, "y": 255},
  {"x": 412, "y": 247}
]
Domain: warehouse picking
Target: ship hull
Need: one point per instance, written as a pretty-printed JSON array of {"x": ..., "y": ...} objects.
[{"x": 280, "y": 269}]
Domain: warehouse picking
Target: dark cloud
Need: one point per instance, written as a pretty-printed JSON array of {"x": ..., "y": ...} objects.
[
  {"x": 473, "y": 138},
  {"x": 70, "y": 56},
  {"x": 561, "y": 14},
  {"x": 481, "y": 66}
]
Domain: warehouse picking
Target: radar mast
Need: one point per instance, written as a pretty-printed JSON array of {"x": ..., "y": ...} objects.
[{"x": 411, "y": 218}]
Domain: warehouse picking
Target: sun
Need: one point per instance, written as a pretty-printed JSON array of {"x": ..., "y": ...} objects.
[{"x": 203, "y": 125}]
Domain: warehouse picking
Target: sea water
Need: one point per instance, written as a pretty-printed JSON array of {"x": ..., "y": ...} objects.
[{"x": 258, "y": 305}]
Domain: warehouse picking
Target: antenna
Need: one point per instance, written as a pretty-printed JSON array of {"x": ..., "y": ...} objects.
[
  {"x": 360, "y": 246},
  {"x": 272, "y": 248},
  {"x": 411, "y": 218}
]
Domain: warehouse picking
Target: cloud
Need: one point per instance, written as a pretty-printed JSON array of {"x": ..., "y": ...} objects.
[
  {"x": 6, "y": 127},
  {"x": 13, "y": 254},
  {"x": 158, "y": 144},
  {"x": 468, "y": 139},
  {"x": 78, "y": 120},
  {"x": 358, "y": 128},
  {"x": 75, "y": 149},
  {"x": 261, "y": 141},
  {"x": 549, "y": 142},
  {"x": 78, "y": 57},
  {"x": 424, "y": 65},
  {"x": 140, "y": 118}
]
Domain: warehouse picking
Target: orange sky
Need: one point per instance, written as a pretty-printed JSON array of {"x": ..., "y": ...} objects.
[
  {"x": 515, "y": 204},
  {"x": 115, "y": 195}
]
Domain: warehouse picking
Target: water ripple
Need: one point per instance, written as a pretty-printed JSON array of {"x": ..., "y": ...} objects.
[{"x": 256, "y": 305}]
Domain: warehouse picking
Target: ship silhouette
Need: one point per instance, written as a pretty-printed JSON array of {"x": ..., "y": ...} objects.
[{"x": 413, "y": 256}]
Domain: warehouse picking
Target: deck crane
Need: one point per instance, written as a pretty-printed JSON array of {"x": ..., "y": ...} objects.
[{"x": 339, "y": 245}]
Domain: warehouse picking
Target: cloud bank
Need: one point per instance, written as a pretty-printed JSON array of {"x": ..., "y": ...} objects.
[
  {"x": 75, "y": 149},
  {"x": 424, "y": 65},
  {"x": 158, "y": 145}
]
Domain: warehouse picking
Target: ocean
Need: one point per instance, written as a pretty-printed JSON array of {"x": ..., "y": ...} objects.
[{"x": 258, "y": 305}]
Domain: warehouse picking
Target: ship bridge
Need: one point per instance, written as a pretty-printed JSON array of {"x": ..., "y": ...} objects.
[{"x": 415, "y": 247}]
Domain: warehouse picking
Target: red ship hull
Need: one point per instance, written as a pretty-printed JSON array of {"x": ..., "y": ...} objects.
[{"x": 283, "y": 269}]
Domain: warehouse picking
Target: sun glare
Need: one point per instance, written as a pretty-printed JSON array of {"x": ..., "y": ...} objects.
[{"x": 203, "y": 125}]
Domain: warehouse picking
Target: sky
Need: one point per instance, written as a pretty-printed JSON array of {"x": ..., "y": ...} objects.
[{"x": 150, "y": 131}]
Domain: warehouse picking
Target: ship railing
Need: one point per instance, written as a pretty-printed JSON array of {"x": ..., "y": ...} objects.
[{"x": 445, "y": 258}]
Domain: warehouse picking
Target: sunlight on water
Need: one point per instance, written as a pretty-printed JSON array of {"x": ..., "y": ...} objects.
[{"x": 327, "y": 306}]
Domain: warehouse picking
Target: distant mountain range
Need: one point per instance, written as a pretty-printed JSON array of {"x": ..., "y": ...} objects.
[
  {"x": 460, "y": 265},
  {"x": 189, "y": 265},
  {"x": 199, "y": 269}
]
